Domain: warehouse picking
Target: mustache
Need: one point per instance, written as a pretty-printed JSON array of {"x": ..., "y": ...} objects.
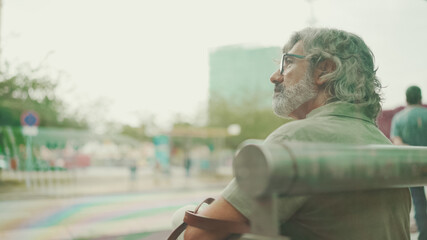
[{"x": 279, "y": 88}]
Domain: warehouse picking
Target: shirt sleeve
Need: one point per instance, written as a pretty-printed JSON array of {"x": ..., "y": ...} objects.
[
  {"x": 238, "y": 199},
  {"x": 287, "y": 206}
]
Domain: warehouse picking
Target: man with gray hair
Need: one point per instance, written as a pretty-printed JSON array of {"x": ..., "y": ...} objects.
[
  {"x": 327, "y": 82},
  {"x": 409, "y": 127}
]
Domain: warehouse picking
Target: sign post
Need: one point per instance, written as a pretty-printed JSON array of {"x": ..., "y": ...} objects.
[{"x": 29, "y": 121}]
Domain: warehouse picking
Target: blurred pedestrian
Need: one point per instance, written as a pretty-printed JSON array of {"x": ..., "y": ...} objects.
[
  {"x": 187, "y": 165},
  {"x": 133, "y": 169},
  {"x": 409, "y": 127}
]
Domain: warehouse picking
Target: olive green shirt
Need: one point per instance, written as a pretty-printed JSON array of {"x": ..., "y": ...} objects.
[{"x": 368, "y": 215}]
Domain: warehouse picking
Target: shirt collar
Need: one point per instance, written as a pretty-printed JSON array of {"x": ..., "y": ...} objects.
[{"x": 342, "y": 109}]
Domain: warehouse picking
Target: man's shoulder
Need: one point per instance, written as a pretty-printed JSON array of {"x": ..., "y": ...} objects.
[
  {"x": 410, "y": 112},
  {"x": 332, "y": 129},
  {"x": 405, "y": 111},
  {"x": 295, "y": 130},
  {"x": 402, "y": 115},
  {"x": 421, "y": 111}
]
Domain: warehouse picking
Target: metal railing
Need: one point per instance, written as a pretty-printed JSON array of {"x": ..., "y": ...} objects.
[{"x": 267, "y": 171}]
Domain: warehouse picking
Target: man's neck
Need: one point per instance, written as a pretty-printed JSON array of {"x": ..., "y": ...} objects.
[
  {"x": 302, "y": 111},
  {"x": 415, "y": 105}
]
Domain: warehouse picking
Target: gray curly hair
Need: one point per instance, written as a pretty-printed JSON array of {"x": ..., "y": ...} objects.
[{"x": 354, "y": 79}]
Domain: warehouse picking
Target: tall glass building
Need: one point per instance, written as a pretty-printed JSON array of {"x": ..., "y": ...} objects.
[{"x": 240, "y": 72}]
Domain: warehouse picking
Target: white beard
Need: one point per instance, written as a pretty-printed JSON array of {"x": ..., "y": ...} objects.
[{"x": 289, "y": 99}]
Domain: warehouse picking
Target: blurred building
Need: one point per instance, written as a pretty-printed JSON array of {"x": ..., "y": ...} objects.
[{"x": 238, "y": 72}]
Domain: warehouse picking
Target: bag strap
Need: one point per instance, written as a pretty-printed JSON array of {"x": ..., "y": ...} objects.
[
  {"x": 175, "y": 234},
  {"x": 191, "y": 218},
  {"x": 212, "y": 224}
]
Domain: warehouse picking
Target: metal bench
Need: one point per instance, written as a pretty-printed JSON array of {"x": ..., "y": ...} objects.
[{"x": 266, "y": 172}]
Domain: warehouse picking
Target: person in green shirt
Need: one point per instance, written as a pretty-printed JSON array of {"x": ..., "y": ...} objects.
[
  {"x": 409, "y": 127},
  {"x": 327, "y": 82}
]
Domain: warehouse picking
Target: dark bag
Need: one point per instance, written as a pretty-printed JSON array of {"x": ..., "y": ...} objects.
[{"x": 191, "y": 218}]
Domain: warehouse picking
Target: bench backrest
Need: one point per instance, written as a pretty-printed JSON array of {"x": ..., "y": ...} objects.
[{"x": 265, "y": 171}]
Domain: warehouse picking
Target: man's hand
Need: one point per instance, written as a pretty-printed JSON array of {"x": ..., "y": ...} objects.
[{"x": 219, "y": 209}]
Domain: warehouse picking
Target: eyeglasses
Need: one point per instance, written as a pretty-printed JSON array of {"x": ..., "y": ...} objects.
[{"x": 286, "y": 61}]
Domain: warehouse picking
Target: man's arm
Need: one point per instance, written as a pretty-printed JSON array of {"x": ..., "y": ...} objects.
[
  {"x": 397, "y": 140},
  {"x": 396, "y": 131},
  {"x": 219, "y": 209}
]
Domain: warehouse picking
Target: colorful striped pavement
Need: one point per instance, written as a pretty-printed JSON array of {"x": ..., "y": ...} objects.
[
  {"x": 97, "y": 217},
  {"x": 102, "y": 215}
]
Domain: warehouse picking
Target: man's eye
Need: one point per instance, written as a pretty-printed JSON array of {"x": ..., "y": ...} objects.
[{"x": 288, "y": 61}]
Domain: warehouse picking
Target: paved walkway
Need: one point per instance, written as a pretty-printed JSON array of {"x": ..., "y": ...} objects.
[{"x": 101, "y": 203}]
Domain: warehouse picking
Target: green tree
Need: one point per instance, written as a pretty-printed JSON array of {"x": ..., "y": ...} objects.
[
  {"x": 26, "y": 88},
  {"x": 256, "y": 121},
  {"x": 135, "y": 132}
]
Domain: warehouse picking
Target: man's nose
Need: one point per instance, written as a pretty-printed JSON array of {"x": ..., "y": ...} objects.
[{"x": 276, "y": 77}]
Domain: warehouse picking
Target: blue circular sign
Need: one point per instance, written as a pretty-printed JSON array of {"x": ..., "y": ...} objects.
[{"x": 30, "y": 118}]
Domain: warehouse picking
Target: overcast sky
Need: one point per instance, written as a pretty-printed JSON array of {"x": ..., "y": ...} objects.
[{"x": 151, "y": 57}]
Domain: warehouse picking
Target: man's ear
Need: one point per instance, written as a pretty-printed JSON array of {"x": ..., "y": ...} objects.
[{"x": 324, "y": 67}]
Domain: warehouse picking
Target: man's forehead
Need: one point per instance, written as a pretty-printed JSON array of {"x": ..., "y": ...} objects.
[{"x": 298, "y": 48}]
